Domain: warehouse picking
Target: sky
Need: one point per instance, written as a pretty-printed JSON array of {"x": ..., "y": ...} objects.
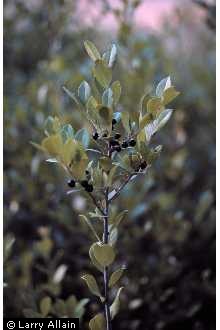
[{"x": 150, "y": 14}]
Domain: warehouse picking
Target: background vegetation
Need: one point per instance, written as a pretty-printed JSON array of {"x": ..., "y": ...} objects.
[{"x": 168, "y": 239}]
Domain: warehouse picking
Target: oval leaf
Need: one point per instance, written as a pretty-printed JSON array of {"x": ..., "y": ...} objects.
[
  {"x": 97, "y": 322},
  {"x": 45, "y": 306},
  {"x": 93, "y": 259},
  {"x": 169, "y": 95},
  {"x": 113, "y": 56},
  {"x": 92, "y": 284},
  {"x": 83, "y": 136},
  {"x": 102, "y": 73},
  {"x": 115, "y": 277},
  {"x": 162, "y": 86},
  {"x": 92, "y": 50},
  {"x": 116, "y": 89},
  {"x": 114, "y": 309},
  {"x": 104, "y": 254},
  {"x": 107, "y": 98},
  {"x": 84, "y": 92}
]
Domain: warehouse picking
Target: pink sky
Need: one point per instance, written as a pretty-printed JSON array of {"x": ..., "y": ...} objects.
[{"x": 149, "y": 14}]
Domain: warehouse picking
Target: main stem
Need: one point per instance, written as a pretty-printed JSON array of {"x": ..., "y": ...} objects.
[{"x": 106, "y": 272}]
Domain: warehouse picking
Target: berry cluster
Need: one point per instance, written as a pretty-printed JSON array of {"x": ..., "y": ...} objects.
[{"x": 84, "y": 183}]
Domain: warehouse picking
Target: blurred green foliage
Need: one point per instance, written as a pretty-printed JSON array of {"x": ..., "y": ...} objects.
[{"x": 168, "y": 239}]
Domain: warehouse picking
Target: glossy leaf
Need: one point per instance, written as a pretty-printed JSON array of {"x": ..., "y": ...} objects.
[
  {"x": 98, "y": 322},
  {"x": 115, "y": 277},
  {"x": 93, "y": 259},
  {"x": 71, "y": 95},
  {"x": 53, "y": 144},
  {"x": 83, "y": 136},
  {"x": 114, "y": 309},
  {"x": 107, "y": 98},
  {"x": 105, "y": 116},
  {"x": 158, "y": 123},
  {"x": 116, "y": 89},
  {"x": 104, "y": 254},
  {"x": 92, "y": 284},
  {"x": 154, "y": 106},
  {"x": 162, "y": 86},
  {"x": 45, "y": 306},
  {"x": 119, "y": 217},
  {"x": 92, "y": 51},
  {"x": 75, "y": 158},
  {"x": 112, "y": 56},
  {"x": 169, "y": 95},
  {"x": 67, "y": 132},
  {"x": 91, "y": 227},
  {"x": 102, "y": 73},
  {"x": 84, "y": 92},
  {"x": 125, "y": 121}
]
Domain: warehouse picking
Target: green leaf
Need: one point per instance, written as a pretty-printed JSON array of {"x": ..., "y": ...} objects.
[
  {"x": 93, "y": 259},
  {"x": 114, "y": 309},
  {"x": 89, "y": 224},
  {"x": 125, "y": 121},
  {"x": 75, "y": 158},
  {"x": 84, "y": 92},
  {"x": 113, "y": 236},
  {"x": 59, "y": 308},
  {"x": 116, "y": 89},
  {"x": 92, "y": 51},
  {"x": 110, "y": 56},
  {"x": 48, "y": 126},
  {"x": 107, "y": 98},
  {"x": 92, "y": 111},
  {"x": 83, "y": 136},
  {"x": 162, "y": 86},
  {"x": 80, "y": 308},
  {"x": 45, "y": 306},
  {"x": 154, "y": 106},
  {"x": 105, "y": 163},
  {"x": 145, "y": 120},
  {"x": 119, "y": 217},
  {"x": 169, "y": 95},
  {"x": 67, "y": 132},
  {"x": 97, "y": 322},
  {"x": 104, "y": 254},
  {"x": 115, "y": 277},
  {"x": 111, "y": 175},
  {"x": 158, "y": 123},
  {"x": 102, "y": 73},
  {"x": 53, "y": 144},
  {"x": 113, "y": 56},
  {"x": 71, "y": 95},
  {"x": 92, "y": 284},
  {"x": 71, "y": 304},
  {"x": 105, "y": 116}
]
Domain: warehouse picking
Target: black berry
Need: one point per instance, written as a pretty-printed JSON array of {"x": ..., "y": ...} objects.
[
  {"x": 89, "y": 188},
  {"x": 117, "y": 136},
  {"x": 118, "y": 148},
  {"x": 132, "y": 143},
  {"x": 114, "y": 121},
  {"x": 114, "y": 143},
  {"x": 84, "y": 183},
  {"x": 95, "y": 136},
  {"x": 124, "y": 144},
  {"x": 143, "y": 165},
  {"x": 71, "y": 183}
]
